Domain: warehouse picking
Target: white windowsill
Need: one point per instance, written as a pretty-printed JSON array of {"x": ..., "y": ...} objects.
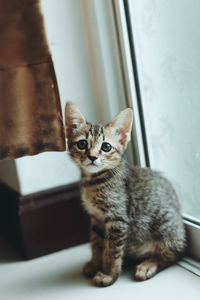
[
  {"x": 191, "y": 265},
  {"x": 58, "y": 276}
]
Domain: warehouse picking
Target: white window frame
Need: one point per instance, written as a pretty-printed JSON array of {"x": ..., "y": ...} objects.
[{"x": 116, "y": 85}]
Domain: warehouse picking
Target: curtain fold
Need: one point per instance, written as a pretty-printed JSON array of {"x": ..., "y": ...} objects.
[{"x": 30, "y": 112}]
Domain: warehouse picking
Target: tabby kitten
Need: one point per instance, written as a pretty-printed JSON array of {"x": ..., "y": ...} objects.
[{"x": 134, "y": 212}]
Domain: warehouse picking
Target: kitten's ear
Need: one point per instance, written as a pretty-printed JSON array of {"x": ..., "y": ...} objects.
[
  {"x": 73, "y": 118},
  {"x": 121, "y": 126}
]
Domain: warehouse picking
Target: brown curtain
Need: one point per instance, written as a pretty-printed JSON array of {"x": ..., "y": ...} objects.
[{"x": 30, "y": 112}]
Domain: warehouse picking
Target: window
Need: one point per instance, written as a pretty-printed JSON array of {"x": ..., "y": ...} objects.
[
  {"x": 167, "y": 54},
  {"x": 147, "y": 58},
  {"x": 162, "y": 47}
]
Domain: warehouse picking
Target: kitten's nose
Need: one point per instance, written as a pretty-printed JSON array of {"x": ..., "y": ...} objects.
[{"x": 92, "y": 158}]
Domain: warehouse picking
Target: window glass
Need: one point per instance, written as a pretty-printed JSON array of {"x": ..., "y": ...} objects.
[{"x": 167, "y": 43}]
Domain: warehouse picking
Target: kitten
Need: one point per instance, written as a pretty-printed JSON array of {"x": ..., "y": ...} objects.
[{"x": 134, "y": 212}]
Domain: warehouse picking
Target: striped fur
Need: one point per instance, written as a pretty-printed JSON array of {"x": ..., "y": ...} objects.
[{"x": 135, "y": 213}]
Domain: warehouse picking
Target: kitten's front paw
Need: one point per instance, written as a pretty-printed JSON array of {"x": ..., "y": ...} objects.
[
  {"x": 103, "y": 280},
  {"x": 146, "y": 270},
  {"x": 89, "y": 269}
]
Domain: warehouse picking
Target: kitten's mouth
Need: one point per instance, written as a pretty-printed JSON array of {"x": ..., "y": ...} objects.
[{"x": 92, "y": 164}]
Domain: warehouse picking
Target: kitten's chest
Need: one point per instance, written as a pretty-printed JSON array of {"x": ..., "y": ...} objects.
[{"x": 94, "y": 203}]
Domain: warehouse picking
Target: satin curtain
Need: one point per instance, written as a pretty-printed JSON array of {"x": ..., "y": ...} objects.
[{"x": 30, "y": 111}]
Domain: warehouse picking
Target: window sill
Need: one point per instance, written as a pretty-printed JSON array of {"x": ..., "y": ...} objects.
[
  {"x": 59, "y": 276},
  {"x": 190, "y": 265}
]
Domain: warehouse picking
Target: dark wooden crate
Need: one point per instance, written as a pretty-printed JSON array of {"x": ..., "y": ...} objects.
[{"x": 43, "y": 222}]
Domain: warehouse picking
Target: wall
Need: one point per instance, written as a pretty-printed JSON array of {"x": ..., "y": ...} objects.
[{"x": 64, "y": 26}]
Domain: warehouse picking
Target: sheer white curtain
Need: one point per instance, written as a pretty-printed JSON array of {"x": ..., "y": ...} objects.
[{"x": 167, "y": 41}]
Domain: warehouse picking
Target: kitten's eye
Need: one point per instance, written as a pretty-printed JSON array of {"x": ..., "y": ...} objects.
[
  {"x": 106, "y": 147},
  {"x": 82, "y": 144}
]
